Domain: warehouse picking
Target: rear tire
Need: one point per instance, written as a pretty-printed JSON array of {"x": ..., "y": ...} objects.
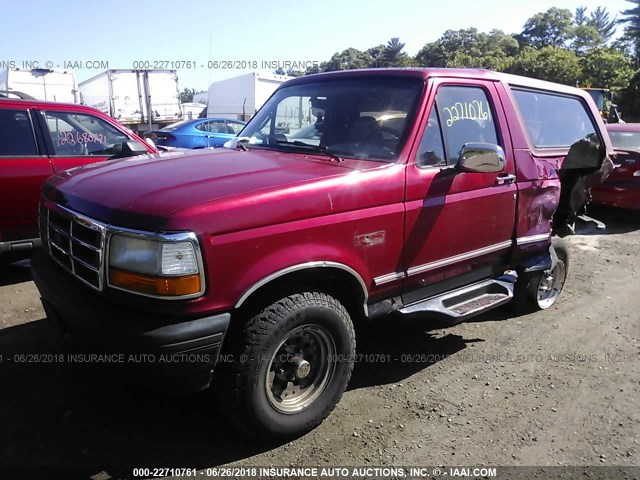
[
  {"x": 540, "y": 290},
  {"x": 291, "y": 364}
]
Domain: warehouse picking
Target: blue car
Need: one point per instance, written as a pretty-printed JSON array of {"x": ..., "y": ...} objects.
[{"x": 199, "y": 133}]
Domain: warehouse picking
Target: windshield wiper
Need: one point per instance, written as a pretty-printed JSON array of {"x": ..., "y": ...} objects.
[{"x": 322, "y": 149}]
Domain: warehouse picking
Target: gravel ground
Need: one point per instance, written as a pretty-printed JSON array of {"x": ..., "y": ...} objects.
[{"x": 553, "y": 388}]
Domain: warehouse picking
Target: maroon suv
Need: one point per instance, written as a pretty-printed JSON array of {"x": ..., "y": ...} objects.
[
  {"x": 38, "y": 139},
  {"x": 350, "y": 196}
]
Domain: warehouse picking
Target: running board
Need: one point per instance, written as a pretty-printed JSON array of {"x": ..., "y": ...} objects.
[{"x": 468, "y": 301}]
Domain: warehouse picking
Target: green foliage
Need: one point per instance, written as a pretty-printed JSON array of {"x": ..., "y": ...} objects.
[
  {"x": 580, "y": 18},
  {"x": 550, "y": 63},
  {"x": 393, "y": 56},
  {"x": 555, "y": 45},
  {"x": 551, "y": 28},
  {"x": 600, "y": 20},
  {"x": 585, "y": 37},
  {"x": 469, "y": 48},
  {"x": 290, "y": 72},
  {"x": 629, "y": 100},
  {"x": 606, "y": 67},
  {"x": 348, "y": 59},
  {"x": 381, "y": 56},
  {"x": 631, "y": 20},
  {"x": 186, "y": 96}
]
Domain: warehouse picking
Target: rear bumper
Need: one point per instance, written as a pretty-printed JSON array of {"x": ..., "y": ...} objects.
[
  {"x": 167, "y": 353},
  {"x": 625, "y": 194}
]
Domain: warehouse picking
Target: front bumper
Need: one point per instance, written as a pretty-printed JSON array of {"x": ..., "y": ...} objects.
[
  {"x": 164, "y": 352},
  {"x": 19, "y": 248}
]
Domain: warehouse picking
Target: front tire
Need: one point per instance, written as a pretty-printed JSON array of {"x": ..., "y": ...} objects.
[{"x": 291, "y": 364}]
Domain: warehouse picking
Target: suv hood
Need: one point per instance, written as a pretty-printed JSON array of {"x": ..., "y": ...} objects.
[{"x": 142, "y": 192}]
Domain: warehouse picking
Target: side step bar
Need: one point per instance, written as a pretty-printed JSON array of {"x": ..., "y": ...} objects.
[{"x": 466, "y": 302}]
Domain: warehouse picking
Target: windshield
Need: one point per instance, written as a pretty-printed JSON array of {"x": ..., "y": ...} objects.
[{"x": 356, "y": 118}]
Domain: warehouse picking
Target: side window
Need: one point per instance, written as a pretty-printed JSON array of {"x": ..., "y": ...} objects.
[
  {"x": 431, "y": 150},
  {"x": 16, "y": 134},
  {"x": 203, "y": 127},
  {"x": 554, "y": 120},
  {"x": 83, "y": 134},
  {"x": 235, "y": 128},
  {"x": 218, "y": 126},
  {"x": 465, "y": 116}
]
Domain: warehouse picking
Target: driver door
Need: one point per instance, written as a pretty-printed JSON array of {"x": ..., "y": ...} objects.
[
  {"x": 459, "y": 225},
  {"x": 79, "y": 138}
]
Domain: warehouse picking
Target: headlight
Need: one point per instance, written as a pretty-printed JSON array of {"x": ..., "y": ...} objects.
[
  {"x": 636, "y": 173},
  {"x": 167, "y": 266}
]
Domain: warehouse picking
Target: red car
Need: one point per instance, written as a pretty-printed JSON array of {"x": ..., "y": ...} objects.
[
  {"x": 430, "y": 192},
  {"x": 39, "y": 139},
  {"x": 622, "y": 188}
]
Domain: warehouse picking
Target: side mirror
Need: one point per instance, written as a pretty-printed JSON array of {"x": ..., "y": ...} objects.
[
  {"x": 481, "y": 158},
  {"x": 130, "y": 149}
]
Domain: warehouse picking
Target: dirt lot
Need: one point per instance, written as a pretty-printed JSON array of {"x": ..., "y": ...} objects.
[{"x": 560, "y": 387}]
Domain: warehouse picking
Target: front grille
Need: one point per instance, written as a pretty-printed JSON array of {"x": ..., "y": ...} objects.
[{"x": 75, "y": 242}]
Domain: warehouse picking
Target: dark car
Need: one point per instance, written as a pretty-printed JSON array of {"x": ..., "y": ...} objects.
[
  {"x": 199, "y": 133},
  {"x": 39, "y": 139},
  {"x": 622, "y": 188}
]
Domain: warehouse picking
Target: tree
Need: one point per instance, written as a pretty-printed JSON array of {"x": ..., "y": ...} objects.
[
  {"x": 551, "y": 28},
  {"x": 600, "y": 20},
  {"x": 469, "y": 48},
  {"x": 393, "y": 56},
  {"x": 631, "y": 20},
  {"x": 606, "y": 67},
  {"x": 290, "y": 72},
  {"x": 348, "y": 59},
  {"x": 548, "y": 63},
  {"x": 376, "y": 52},
  {"x": 441, "y": 53},
  {"x": 580, "y": 18},
  {"x": 585, "y": 37},
  {"x": 629, "y": 99},
  {"x": 186, "y": 96}
]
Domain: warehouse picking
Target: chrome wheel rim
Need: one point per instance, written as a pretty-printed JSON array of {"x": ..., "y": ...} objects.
[
  {"x": 551, "y": 285},
  {"x": 301, "y": 369}
]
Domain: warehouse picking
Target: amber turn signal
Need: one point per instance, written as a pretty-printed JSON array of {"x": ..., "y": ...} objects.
[{"x": 152, "y": 285}]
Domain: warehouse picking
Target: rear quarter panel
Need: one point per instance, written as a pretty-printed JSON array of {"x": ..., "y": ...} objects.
[{"x": 537, "y": 169}]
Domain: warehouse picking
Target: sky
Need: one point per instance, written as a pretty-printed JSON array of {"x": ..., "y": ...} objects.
[{"x": 232, "y": 37}]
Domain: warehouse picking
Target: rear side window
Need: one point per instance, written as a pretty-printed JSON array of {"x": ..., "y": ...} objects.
[
  {"x": 554, "y": 120},
  {"x": 16, "y": 134},
  {"x": 82, "y": 134},
  {"x": 213, "y": 126},
  {"x": 236, "y": 128}
]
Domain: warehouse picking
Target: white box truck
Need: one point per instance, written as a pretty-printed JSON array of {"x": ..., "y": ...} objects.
[
  {"x": 240, "y": 97},
  {"x": 201, "y": 97},
  {"x": 143, "y": 100},
  {"x": 192, "y": 110},
  {"x": 41, "y": 83}
]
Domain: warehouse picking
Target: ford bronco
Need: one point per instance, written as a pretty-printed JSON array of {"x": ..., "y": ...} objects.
[{"x": 394, "y": 192}]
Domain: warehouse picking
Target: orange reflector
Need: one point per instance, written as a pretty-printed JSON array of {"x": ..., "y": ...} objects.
[{"x": 164, "y": 286}]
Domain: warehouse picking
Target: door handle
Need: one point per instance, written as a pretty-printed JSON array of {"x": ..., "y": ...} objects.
[{"x": 505, "y": 178}]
